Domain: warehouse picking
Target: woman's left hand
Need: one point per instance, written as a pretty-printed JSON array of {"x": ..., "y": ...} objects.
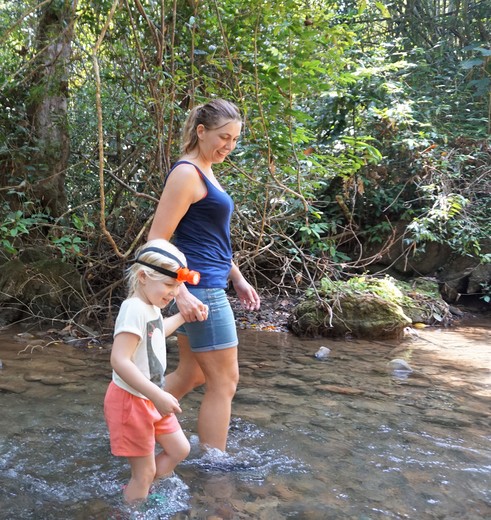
[{"x": 249, "y": 299}]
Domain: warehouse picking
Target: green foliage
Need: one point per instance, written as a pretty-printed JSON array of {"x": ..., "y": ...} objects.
[
  {"x": 353, "y": 115},
  {"x": 69, "y": 246},
  {"x": 455, "y": 203},
  {"x": 14, "y": 225},
  {"x": 72, "y": 239},
  {"x": 67, "y": 242}
]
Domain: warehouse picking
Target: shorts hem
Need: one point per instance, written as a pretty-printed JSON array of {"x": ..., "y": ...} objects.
[
  {"x": 128, "y": 455},
  {"x": 211, "y": 348}
]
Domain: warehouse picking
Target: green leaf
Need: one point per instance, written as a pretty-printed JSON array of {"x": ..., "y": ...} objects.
[
  {"x": 469, "y": 64},
  {"x": 383, "y": 9}
]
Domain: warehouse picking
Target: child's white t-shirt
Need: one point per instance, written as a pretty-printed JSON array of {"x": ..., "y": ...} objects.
[{"x": 144, "y": 320}]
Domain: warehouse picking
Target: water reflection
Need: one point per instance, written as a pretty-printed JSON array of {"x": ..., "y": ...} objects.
[{"x": 345, "y": 437}]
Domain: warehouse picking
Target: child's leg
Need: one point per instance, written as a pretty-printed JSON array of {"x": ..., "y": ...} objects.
[
  {"x": 142, "y": 476},
  {"x": 175, "y": 449}
]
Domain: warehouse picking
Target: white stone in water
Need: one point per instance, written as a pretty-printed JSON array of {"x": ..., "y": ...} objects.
[
  {"x": 412, "y": 333},
  {"x": 322, "y": 353},
  {"x": 399, "y": 364}
]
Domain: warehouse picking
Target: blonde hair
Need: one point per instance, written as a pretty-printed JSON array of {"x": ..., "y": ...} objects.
[
  {"x": 214, "y": 114},
  {"x": 147, "y": 254}
]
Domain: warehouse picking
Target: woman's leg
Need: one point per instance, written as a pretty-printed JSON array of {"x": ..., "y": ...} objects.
[
  {"x": 175, "y": 449},
  {"x": 188, "y": 374},
  {"x": 221, "y": 371},
  {"x": 142, "y": 476}
]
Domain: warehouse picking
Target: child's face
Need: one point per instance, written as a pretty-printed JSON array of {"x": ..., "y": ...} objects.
[{"x": 157, "y": 292}]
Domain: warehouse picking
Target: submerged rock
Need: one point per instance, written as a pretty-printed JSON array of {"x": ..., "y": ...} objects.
[
  {"x": 322, "y": 353},
  {"x": 399, "y": 365}
]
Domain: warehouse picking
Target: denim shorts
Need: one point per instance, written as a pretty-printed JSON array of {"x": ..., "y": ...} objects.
[{"x": 218, "y": 332}]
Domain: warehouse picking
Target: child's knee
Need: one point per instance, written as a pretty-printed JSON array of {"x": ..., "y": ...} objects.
[
  {"x": 146, "y": 476},
  {"x": 181, "y": 452},
  {"x": 186, "y": 450}
]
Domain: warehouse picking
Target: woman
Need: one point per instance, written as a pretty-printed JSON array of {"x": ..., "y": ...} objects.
[{"x": 196, "y": 210}]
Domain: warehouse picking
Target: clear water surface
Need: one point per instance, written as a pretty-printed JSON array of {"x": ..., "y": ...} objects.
[{"x": 346, "y": 438}]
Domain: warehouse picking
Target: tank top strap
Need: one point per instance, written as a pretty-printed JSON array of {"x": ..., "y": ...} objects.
[
  {"x": 201, "y": 174},
  {"x": 205, "y": 179}
]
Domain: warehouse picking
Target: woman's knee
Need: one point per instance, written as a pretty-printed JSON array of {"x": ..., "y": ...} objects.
[
  {"x": 231, "y": 387},
  {"x": 232, "y": 376},
  {"x": 221, "y": 370},
  {"x": 232, "y": 381},
  {"x": 224, "y": 384}
]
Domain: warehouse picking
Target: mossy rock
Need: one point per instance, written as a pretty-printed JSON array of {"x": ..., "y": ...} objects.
[
  {"x": 46, "y": 288},
  {"x": 369, "y": 307},
  {"x": 361, "y": 315},
  {"x": 423, "y": 303}
]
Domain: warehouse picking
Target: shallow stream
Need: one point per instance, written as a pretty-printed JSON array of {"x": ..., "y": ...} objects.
[{"x": 342, "y": 438}]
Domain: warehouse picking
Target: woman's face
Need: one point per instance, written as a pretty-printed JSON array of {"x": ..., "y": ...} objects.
[{"x": 216, "y": 143}]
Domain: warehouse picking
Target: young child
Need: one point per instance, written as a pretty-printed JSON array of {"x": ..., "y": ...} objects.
[{"x": 138, "y": 411}]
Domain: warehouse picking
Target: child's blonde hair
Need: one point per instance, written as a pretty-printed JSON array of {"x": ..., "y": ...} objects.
[{"x": 147, "y": 254}]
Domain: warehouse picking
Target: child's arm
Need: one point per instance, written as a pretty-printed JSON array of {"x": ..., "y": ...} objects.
[
  {"x": 173, "y": 322},
  {"x": 123, "y": 348}
]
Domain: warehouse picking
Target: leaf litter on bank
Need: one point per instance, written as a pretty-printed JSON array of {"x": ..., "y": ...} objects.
[{"x": 271, "y": 316}]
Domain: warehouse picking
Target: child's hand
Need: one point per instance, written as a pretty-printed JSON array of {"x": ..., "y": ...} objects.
[
  {"x": 204, "y": 313},
  {"x": 166, "y": 404},
  {"x": 189, "y": 306},
  {"x": 201, "y": 313}
]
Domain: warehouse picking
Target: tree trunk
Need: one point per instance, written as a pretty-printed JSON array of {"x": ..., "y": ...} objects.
[{"x": 48, "y": 107}]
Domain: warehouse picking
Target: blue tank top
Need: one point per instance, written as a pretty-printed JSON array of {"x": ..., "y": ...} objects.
[{"x": 203, "y": 234}]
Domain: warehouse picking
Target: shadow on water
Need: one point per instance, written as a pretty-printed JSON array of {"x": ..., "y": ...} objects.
[{"x": 347, "y": 437}]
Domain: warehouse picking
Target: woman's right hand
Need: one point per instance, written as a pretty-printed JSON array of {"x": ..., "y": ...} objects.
[{"x": 190, "y": 307}]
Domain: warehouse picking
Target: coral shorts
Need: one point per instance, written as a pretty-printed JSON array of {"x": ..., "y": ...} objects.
[{"x": 134, "y": 423}]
